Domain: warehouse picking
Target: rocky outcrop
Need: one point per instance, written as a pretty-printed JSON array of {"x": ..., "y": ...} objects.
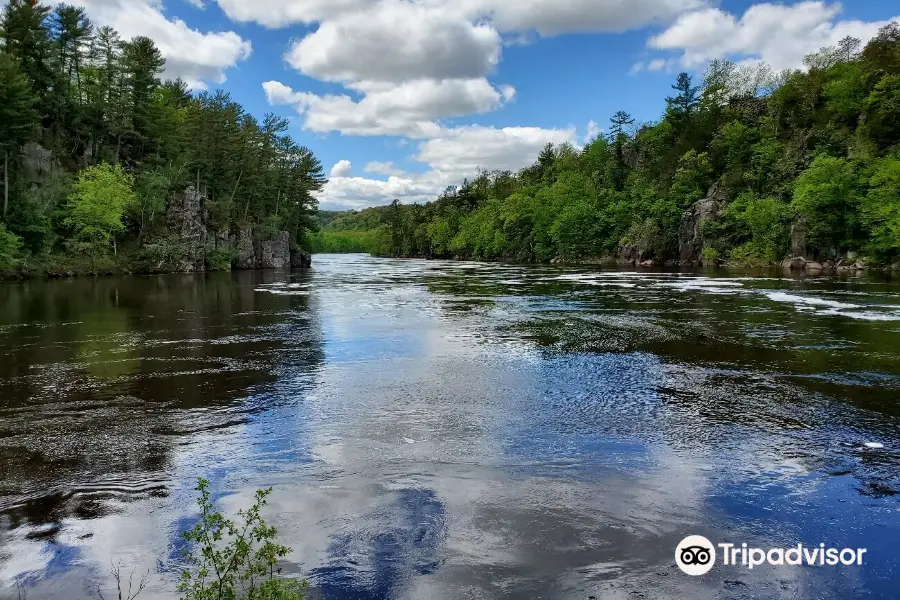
[
  {"x": 245, "y": 254},
  {"x": 690, "y": 234},
  {"x": 274, "y": 253},
  {"x": 798, "y": 238},
  {"x": 798, "y": 263},
  {"x": 39, "y": 165},
  {"x": 300, "y": 259},
  {"x": 185, "y": 220},
  {"x": 188, "y": 223}
]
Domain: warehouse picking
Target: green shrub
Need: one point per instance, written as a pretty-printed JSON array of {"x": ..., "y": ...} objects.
[
  {"x": 228, "y": 560},
  {"x": 10, "y": 249},
  {"x": 220, "y": 259}
]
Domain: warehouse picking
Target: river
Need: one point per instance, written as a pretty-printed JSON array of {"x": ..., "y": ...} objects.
[{"x": 443, "y": 430}]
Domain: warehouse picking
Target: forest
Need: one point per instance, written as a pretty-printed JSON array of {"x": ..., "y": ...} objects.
[
  {"x": 747, "y": 166},
  {"x": 96, "y": 148}
]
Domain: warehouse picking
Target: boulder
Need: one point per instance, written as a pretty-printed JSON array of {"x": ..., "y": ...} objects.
[
  {"x": 828, "y": 264},
  {"x": 690, "y": 234},
  {"x": 814, "y": 266},
  {"x": 794, "y": 264}
]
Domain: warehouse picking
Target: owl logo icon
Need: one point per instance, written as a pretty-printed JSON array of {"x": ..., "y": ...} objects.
[{"x": 695, "y": 555}]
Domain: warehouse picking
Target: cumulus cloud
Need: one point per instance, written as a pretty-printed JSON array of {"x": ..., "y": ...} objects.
[
  {"x": 454, "y": 154},
  {"x": 462, "y": 150},
  {"x": 342, "y": 168},
  {"x": 280, "y": 13},
  {"x": 195, "y": 56},
  {"x": 521, "y": 16},
  {"x": 383, "y": 168},
  {"x": 396, "y": 41},
  {"x": 409, "y": 109},
  {"x": 593, "y": 130},
  {"x": 780, "y": 35},
  {"x": 572, "y": 16}
]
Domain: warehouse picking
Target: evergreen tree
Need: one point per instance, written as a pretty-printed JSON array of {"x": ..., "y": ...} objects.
[{"x": 17, "y": 116}]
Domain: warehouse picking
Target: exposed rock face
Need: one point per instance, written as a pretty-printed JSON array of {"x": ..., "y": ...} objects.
[
  {"x": 798, "y": 238},
  {"x": 38, "y": 163},
  {"x": 274, "y": 253},
  {"x": 690, "y": 235},
  {"x": 185, "y": 220},
  {"x": 242, "y": 242},
  {"x": 300, "y": 260}
]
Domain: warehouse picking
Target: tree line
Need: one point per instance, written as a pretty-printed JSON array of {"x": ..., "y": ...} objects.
[
  {"x": 814, "y": 150},
  {"x": 94, "y": 143}
]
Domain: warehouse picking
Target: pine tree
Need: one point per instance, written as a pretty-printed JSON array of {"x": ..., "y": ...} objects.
[
  {"x": 28, "y": 41},
  {"x": 17, "y": 115},
  {"x": 682, "y": 105}
]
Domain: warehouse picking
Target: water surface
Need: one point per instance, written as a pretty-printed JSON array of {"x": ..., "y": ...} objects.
[{"x": 439, "y": 430}]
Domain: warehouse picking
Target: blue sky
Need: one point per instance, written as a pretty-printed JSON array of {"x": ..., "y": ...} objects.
[{"x": 400, "y": 98}]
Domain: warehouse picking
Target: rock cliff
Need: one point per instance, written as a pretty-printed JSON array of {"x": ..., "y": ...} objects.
[
  {"x": 690, "y": 234},
  {"x": 188, "y": 222}
]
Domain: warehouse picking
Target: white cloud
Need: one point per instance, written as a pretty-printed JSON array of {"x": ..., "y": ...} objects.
[
  {"x": 508, "y": 16},
  {"x": 657, "y": 64},
  {"x": 409, "y": 109},
  {"x": 456, "y": 153},
  {"x": 193, "y": 55},
  {"x": 462, "y": 150},
  {"x": 280, "y": 13},
  {"x": 342, "y": 168},
  {"x": 383, "y": 168},
  {"x": 593, "y": 130},
  {"x": 779, "y": 34},
  {"x": 396, "y": 41},
  {"x": 569, "y": 16}
]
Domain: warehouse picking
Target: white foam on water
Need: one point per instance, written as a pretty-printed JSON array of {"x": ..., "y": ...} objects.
[
  {"x": 874, "y": 445},
  {"x": 808, "y": 300},
  {"x": 862, "y": 312},
  {"x": 701, "y": 282},
  {"x": 281, "y": 292}
]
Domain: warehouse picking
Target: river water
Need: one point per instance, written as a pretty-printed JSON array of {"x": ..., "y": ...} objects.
[{"x": 444, "y": 430}]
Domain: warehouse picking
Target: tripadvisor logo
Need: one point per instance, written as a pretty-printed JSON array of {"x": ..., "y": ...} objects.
[{"x": 696, "y": 555}]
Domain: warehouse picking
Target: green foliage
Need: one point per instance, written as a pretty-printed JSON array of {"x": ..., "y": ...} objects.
[
  {"x": 710, "y": 256},
  {"x": 96, "y": 206},
  {"x": 881, "y": 209},
  {"x": 162, "y": 254},
  {"x": 10, "y": 249},
  {"x": 75, "y": 95},
  {"x": 881, "y": 109},
  {"x": 229, "y": 560},
  {"x": 765, "y": 222},
  {"x": 220, "y": 259},
  {"x": 826, "y": 197}
]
